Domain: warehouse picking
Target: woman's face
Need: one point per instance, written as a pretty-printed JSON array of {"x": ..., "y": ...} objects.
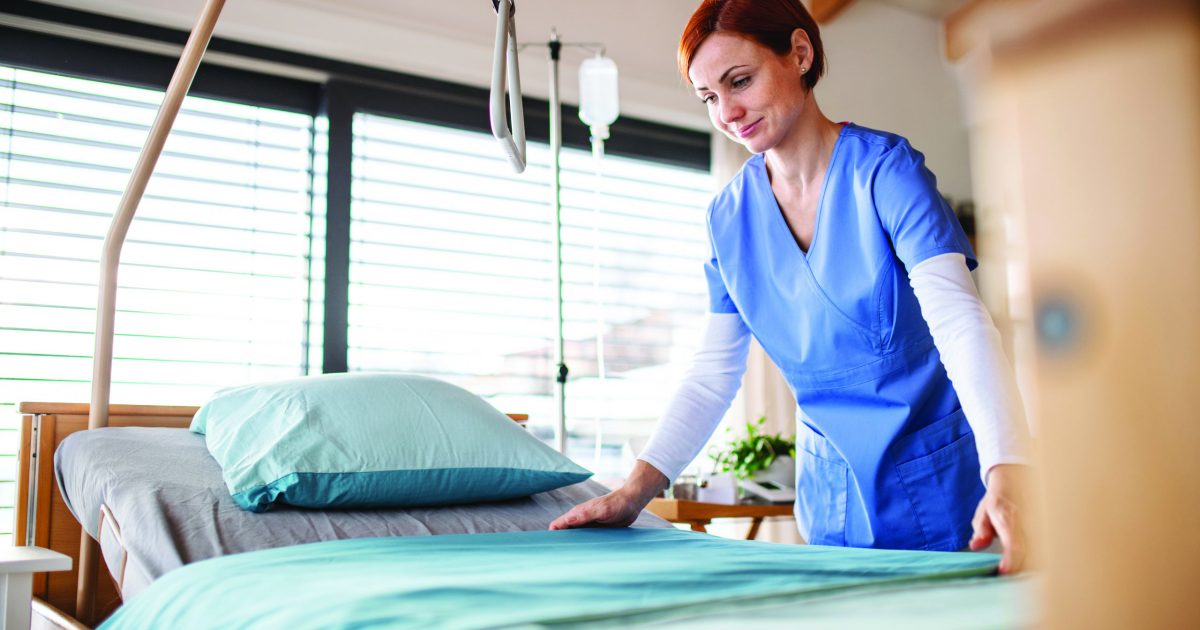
[{"x": 753, "y": 95}]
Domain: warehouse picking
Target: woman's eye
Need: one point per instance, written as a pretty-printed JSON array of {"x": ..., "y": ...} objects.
[
  {"x": 741, "y": 82},
  {"x": 709, "y": 99}
]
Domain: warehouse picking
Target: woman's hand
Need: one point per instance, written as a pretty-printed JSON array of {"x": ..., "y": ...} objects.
[
  {"x": 619, "y": 508},
  {"x": 611, "y": 510},
  {"x": 999, "y": 515}
]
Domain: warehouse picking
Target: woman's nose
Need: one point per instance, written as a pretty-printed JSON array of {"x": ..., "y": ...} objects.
[{"x": 730, "y": 111}]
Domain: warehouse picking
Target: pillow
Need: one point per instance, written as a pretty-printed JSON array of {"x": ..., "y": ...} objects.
[{"x": 372, "y": 440}]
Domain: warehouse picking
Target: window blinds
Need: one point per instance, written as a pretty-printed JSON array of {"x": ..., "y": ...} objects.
[
  {"x": 214, "y": 277},
  {"x": 451, "y": 272}
]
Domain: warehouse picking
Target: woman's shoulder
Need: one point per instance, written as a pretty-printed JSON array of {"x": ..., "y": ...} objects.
[
  {"x": 875, "y": 157},
  {"x": 868, "y": 142}
]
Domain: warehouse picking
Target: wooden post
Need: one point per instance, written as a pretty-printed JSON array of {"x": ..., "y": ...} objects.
[{"x": 1090, "y": 138}]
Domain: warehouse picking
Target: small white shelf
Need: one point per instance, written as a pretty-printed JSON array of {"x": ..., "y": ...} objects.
[{"x": 17, "y": 566}]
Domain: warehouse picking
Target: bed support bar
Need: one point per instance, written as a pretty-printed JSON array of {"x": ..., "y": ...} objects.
[{"x": 110, "y": 256}]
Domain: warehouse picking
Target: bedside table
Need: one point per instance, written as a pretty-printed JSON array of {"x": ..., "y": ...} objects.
[
  {"x": 17, "y": 566},
  {"x": 699, "y": 515}
]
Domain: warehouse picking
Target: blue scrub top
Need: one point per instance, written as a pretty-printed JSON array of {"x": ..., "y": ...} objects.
[{"x": 885, "y": 457}]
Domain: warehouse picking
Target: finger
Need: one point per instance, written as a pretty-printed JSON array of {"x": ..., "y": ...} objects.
[
  {"x": 980, "y": 514},
  {"x": 582, "y": 515},
  {"x": 984, "y": 532},
  {"x": 1006, "y": 560},
  {"x": 983, "y": 537},
  {"x": 1011, "y": 539},
  {"x": 569, "y": 520}
]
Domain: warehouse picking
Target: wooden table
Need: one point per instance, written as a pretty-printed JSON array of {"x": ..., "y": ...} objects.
[{"x": 699, "y": 515}]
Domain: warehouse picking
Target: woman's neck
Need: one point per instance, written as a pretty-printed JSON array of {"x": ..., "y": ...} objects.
[{"x": 801, "y": 158}]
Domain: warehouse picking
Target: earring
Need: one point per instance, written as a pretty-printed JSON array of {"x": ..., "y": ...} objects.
[{"x": 803, "y": 69}]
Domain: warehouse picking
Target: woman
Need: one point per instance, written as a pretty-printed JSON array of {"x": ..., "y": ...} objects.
[{"x": 834, "y": 249}]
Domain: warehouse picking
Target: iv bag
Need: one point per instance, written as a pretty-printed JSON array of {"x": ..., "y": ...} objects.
[{"x": 598, "y": 105}]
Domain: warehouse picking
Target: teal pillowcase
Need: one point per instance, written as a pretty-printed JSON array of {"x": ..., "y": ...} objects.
[{"x": 372, "y": 440}]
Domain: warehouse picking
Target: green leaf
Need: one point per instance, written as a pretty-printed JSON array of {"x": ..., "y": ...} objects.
[{"x": 756, "y": 450}]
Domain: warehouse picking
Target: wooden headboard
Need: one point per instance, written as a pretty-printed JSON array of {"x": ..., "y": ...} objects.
[{"x": 43, "y": 428}]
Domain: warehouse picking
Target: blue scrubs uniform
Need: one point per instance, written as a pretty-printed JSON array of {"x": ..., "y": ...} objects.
[{"x": 885, "y": 457}]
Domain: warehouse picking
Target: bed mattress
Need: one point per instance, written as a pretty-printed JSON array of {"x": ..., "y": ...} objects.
[
  {"x": 166, "y": 494},
  {"x": 580, "y": 578}
]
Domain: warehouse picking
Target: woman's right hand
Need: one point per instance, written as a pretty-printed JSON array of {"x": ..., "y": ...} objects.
[
  {"x": 619, "y": 508},
  {"x": 611, "y": 510}
]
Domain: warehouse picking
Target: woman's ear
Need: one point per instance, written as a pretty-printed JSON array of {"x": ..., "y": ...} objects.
[{"x": 802, "y": 50}]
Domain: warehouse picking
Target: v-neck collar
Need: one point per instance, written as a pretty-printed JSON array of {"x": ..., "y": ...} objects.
[{"x": 782, "y": 223}]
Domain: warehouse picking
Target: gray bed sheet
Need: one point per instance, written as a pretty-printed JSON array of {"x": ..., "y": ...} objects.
[{"x": 166, "y": 493}]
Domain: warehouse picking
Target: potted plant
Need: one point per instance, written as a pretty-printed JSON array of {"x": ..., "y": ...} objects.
[{"x": 750, "y": 456}]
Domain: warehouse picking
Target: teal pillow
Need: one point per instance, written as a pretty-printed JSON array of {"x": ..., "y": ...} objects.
[{"x": 372, "y": 440}]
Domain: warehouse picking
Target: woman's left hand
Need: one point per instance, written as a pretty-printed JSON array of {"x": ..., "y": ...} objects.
[{"x": 999, "y": 515}]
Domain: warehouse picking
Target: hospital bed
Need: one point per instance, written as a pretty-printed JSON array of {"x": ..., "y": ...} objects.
[
  {"x": 155, "y": 500},
  {"x": 153, "y": 497},
  {"x": 148, "y": 491}
]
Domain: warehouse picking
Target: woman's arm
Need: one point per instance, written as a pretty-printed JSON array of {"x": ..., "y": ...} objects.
[
  {"x": 703, "y": 397},
  {"x": 970, "y": 347},
  {"x": 690, "y": 419},
  {"x": 974, "y": 359}
]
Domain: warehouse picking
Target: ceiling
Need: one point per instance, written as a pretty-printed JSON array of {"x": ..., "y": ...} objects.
[
  {"x": 938, "y": 9},
  {"x": 453, "y": 38},
  {"x": 620, "y": 24}
]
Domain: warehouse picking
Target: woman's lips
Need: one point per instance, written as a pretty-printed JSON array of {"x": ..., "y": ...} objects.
[{"x": 749, "y": 129}]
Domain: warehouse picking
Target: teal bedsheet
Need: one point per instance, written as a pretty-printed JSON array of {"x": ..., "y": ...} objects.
[{"x": 540, "y": 578}]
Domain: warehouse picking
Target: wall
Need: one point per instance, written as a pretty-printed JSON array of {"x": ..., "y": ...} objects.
[{"x": 886, "y": 71}]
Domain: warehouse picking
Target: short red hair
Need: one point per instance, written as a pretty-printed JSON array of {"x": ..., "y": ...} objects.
[{"x": 768, "y": 22}]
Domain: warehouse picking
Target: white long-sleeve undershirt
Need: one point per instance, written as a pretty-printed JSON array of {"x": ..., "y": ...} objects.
[
  {"x": 702, "y": 398},
  {"x": 974, "y": 358},
  {"x": 962, "y": 330}
]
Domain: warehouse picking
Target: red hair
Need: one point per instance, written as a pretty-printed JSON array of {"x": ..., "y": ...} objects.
[{"x": 767, "y": 22}]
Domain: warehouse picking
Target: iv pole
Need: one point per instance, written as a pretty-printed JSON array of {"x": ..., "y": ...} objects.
[
  {"x": 555, "y": 46},
  {"x": 560, "y": 377},
  {"x": 505, "y": 76}
]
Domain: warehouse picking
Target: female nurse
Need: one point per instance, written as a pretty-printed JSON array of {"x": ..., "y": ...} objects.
[{"x": 834, "y": 249}]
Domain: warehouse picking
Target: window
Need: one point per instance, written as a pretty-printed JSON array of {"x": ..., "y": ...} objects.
[
  {"x": 214, "y": 287},
  {"x": 451, "y": 274},
  {"x": 236, "y": 268}
]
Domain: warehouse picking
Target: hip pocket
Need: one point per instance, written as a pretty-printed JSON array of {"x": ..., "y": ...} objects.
[
  {"x": 944, "y": 489},
  {"x": 821, "y": 499}
]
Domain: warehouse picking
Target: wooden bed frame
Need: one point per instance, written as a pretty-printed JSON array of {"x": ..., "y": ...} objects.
[{"x": 42, "y": 517}]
